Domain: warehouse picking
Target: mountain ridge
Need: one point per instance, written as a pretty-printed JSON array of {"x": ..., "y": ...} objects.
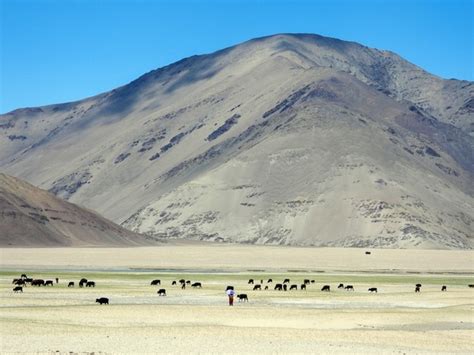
[
  {"x": 134, "y": 151},
  {"x": 31, "y": 217}
]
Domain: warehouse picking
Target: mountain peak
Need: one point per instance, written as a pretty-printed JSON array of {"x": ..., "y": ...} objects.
[{"x": 293, "y": 139}]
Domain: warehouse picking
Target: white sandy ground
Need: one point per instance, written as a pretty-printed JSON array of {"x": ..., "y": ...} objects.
[{"x": 396, "y": 320}]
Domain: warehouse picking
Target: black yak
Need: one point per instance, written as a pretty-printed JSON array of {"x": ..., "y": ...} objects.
[
  {"x": 243, "y": 297},
  {"x": 37, "y": 282}
]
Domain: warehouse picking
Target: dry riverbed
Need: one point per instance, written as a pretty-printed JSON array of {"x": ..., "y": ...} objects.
[{"x": 395, "y": 320}]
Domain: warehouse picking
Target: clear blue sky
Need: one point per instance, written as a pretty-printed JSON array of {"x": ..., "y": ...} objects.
[{"x": 54, "y": 51}]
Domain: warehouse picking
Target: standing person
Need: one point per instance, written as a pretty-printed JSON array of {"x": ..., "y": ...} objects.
[{"x": 231, "y": 294}]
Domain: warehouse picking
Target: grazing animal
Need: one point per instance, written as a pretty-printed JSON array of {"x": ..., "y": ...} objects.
[
  {"x": 70, "y": 284},
  {"x": 444, "y": 288},
  {"x": 471, "y": 286},
  {"x": 196, "y": 284},
  {"x": 229, "y": 288},
  {"x": 368, "y": 253},
  {"x": 173, "y": 283},
  {"x": 313, "y": 281},
  {"x": 261, "y": 281},
  {"x": 102, "y": 300},
  {"x": 23, "y": 276},
  {"x": 269, "y": 281},
  {"x": 373, "y": 289},
  {"x": 82, "y": 282},
  {"x": 188, "y": 282},
  {"x": 18, "y": 289},
  {"x": 15, "y": 281},
  {"x": 340, "y": 286},
  {"x": 90, "y": 284},
  {"x": 349, "y": 288},
  {"x": 37, "y": 282},
  {"x": 257, "y": 287},
  {"x": 417, "y": 289},
  {"x": 155, "y": 282},
  {"x": 57, "y": 280},
  {"x": 250, "y": 282},
  {"x": 266, "y": 287},
  {"x": 28, "y": 279},
  {"x": 286, "y": 281},
  {"x": 183, "y": 285},
  {"x": 161, "y": 292},
  {"x": 278, "y": 287},
  {"x": 303, "y": 287},
  {"x": 418, "y": 285},
  {"x": 243, "y": 297},
  {"x": 182, "y": 281},
  {"x": 48, "y": 283},
  {"x": 326, "y": 288},
  {"x": 293, "y": 287},
  {"x": 20, "y": 282},
  {"x": 306, "y": 281},
  {"x": 285, "y": 288}
]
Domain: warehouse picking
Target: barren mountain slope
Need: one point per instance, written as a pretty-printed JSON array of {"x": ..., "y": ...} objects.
[
  {"x": 31, "y": 217},
  {"x": 289, "y": 139}
]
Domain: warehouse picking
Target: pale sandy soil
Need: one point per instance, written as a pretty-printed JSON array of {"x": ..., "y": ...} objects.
[
  {"x": 241, "y": 257},
  {"x": 396, "y": 320}
]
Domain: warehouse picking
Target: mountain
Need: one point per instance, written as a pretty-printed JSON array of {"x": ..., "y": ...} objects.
[
  {"x": 31, "y": 217},
  {"x": 292, "y": 139}
]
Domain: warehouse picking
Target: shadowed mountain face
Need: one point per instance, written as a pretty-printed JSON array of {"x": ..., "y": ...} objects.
[
  {"x": 288, "y": 139},
  {"x": 31, "y": 217}
]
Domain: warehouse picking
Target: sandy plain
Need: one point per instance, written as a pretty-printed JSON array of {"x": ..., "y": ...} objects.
[{"x": 395, "y": 320}]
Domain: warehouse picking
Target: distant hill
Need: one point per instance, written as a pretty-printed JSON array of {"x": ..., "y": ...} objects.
[
  {"x": 291, "y": 139},
  {"x": 31, "y": 217}
]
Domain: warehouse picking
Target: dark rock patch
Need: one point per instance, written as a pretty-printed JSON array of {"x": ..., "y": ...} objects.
[
  {"x": 288, "y": 102},
  {"x": 224, "y": 128},
  {"x": 69, "y": 184},
  {"x": 432, "y": 152},
  {"x": 9, "y": 124},
  {"x": 14, "y": 137},
  {"x": 121, "y": 158},
  {"x": 447, "y": 169},
  {"x": 154, "y": 156}
]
